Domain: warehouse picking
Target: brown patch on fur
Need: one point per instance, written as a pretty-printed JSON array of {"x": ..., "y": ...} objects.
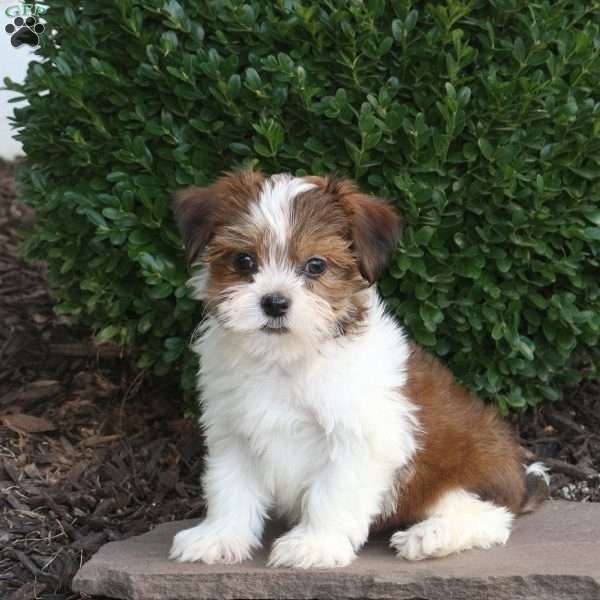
[
  {"x": 320, "y": 227},
  {"x": 199, "y": 212},
  {"x": 464, "y": 444},
  {"x": 375, "y": 225},
  {"x": 205, "y": 217}
]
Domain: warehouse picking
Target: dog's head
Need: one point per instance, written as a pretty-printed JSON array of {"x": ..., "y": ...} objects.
[{"x": 285, "y": 257}]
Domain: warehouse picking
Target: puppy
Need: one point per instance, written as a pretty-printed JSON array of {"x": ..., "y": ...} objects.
[{"x": 315, "y": 405}]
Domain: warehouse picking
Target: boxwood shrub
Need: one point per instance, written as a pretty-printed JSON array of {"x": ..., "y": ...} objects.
[{"x": 480, "y": 119}]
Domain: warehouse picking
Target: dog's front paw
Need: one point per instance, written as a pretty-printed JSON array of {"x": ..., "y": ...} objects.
[
  {"x": 210, "y": 543},
  {"x": 303, "y": 549}
]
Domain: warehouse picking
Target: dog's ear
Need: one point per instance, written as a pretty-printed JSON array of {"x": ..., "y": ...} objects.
[
  {"x": 376, "y": 228},
  {"x": 200, "y": 211},
  {"x": 375, "y": 225},
  {"x": 195, "y": 215}
]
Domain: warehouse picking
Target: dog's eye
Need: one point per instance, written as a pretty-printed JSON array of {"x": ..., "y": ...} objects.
[
  {"x": 244, "y": 263},
  {"x": 314, "y": 266}
]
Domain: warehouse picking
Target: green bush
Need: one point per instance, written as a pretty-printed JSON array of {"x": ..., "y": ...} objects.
[{"x": 481, "y": 119}]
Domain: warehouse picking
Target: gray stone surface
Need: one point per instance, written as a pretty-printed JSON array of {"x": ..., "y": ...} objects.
[{"x": 552, "y": 554}]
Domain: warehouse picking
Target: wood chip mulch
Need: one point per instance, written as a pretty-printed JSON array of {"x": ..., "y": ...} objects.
[{"x": 92, "y": 451}]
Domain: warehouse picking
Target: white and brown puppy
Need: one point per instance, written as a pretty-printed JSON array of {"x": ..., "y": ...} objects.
[{"x": 315, "y": 406}]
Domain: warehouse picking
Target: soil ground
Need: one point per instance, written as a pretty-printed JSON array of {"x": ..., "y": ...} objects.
[{"x": 93, "y": 451}]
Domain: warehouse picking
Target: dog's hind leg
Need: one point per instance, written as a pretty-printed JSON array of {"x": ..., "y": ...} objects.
[{"x": 458, "y": 521}]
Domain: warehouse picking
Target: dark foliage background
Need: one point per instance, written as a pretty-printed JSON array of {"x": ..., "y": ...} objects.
[{"x": 480, "y": 119}]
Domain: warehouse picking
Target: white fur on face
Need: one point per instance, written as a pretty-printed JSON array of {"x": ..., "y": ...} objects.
[
  {"x": 273, "y": 211},
  {"x": 310, "y": 319}
]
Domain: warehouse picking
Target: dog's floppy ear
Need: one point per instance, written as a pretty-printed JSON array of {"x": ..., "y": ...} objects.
[
  {"x": 195, "y": 215},
  {"x": 375, "y": 225},
  {"x": 199, "y": 211},
  {"x": 376, "y": 228}
]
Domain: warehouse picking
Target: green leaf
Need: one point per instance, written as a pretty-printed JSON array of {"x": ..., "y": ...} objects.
[
  {"x": 398, "y": 29},
  {"x": 70, "y": 17},
  {"x": 107, "y": 333},
  {"x": 253, "y": 80},
  {"x": 160, "y": 291},
  {"x": 424, "y": 337},
  {"x": 240, "y": 148},
  {"x": 592, "y": 233},
  {"x": 63, "y": 66},
  {"x": 486, "y": 149},
  {"x": 387, "y": 286},
  {"x": 175, "y": 10},
  {"x": 150, "y": 262},
  {"x": 234, "y": 86},
  {"x": 593, "y": 216},
  {"x": 423, "y": 236},
  {"x": 432, "y": 316},
  {"x": 94, "y": 216},
  {"x": 551, "y": 393},
  {"x": 498, "y": 330},
  {"x": 526, "y": 348},
  {"x": 411, "y": 20}
]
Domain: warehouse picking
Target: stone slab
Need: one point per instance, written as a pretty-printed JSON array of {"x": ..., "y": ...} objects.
[{"x": 552, "y": 554}]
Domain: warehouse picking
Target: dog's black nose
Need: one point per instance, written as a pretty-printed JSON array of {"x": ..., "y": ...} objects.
[{"x": 274, "y": 305}]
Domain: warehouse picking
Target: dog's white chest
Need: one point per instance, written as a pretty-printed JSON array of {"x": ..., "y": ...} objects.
[
  {"x": 273, "y": 413},
  {"x": 296, "y": 421}
]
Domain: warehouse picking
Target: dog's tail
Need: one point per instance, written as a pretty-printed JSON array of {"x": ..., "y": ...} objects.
[{"x": 537, "y": 487}]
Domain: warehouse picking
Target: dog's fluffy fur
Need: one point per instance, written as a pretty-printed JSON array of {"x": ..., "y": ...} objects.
[{"x": 327, "y": 414}]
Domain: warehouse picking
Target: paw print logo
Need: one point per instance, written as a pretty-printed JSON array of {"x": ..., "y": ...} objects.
[{"x": 25, "y": 32}]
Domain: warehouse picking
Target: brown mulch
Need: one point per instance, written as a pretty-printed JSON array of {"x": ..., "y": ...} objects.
[
  {"x": 566, "y": 437},
  {"x": 93, "y": 451},
  {"x": 90, "y": 450}
]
